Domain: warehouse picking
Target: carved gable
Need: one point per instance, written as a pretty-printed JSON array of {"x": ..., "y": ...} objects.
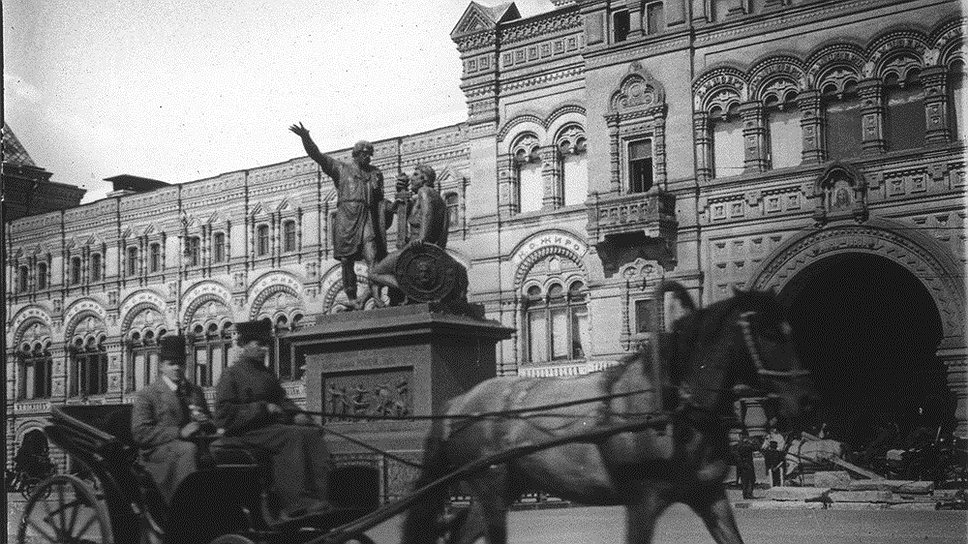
[{"x": 477, "y": 18}]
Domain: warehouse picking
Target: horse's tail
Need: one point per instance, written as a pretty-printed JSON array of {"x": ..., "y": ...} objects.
[{"x": 420, "y": 524}]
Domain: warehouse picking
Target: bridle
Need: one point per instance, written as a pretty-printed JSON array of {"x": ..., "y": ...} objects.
[{"x": 754, "y": 352}]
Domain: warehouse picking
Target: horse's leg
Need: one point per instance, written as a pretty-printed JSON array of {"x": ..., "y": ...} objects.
[
  {"x": 715, "y": 511},
  {"x": 471, "y": 527},
  {"x": 491, "y": 491},
  {"x": 641, "y": 517}
]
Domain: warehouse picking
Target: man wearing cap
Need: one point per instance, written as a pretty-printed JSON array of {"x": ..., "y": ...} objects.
[
  {"x": 166, "y": 414},
  {"x": 362, "y": 215},
  {"x": 254, "y": 410}
]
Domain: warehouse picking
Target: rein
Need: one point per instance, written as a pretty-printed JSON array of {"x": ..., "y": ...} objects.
[{"x": 477, "y": 415}]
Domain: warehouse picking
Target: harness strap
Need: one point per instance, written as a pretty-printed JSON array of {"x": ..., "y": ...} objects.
[{"x": 747, "y": 328}]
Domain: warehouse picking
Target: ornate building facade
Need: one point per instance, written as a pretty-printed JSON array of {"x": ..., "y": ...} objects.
[{"x": 815, "y": 147}]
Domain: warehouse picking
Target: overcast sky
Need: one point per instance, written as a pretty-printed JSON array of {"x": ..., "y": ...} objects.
[{"x": 179, "y": 91}]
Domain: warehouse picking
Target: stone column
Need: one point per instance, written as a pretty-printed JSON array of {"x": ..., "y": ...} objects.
[
  {"x": 871, "y": 93},
  {"x": 115, "y": 354},
  {"x": 554, "y": 193},
  {"x": 754, "y": 137},
  {"x": 811, "y": 126},
  {"x": 60, "y": 386},
  {"x": 659, "y": 155},
  {"x": 934, "y": 82},
  {"x": 615, "y": 153},
  {"x": 508, "y": 197},
  {"x": 13, "y": 372},
  {"x": 704, "y": 142}
]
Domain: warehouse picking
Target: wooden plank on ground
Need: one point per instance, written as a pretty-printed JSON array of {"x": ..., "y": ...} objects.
[{"x": 856, "y": 469}]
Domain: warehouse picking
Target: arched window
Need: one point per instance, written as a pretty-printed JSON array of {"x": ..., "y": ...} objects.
[
  {"x": 193, "y": 250},
  {"x": 23, "y": 279},
  {"x": 289, "y": 236},
  {"x": 41, "y": 275},
  {"x": 218, "y": 247},
  {"x": 154, "y": 257},
  {"x": 728, "y": 150},
  {"x": 75, "y": 270},
  {"x": 95, "y": 267},
  {"x": 132, "y": 264},
  {"x": 36, "y": 369},
  {"x": 843, "y": 134},
  {"x": 905, "y": 119},
  {"x": 572, "y": 154},
  {"x": 527, "y": 170},
  {"x": 210, "y": 352},
  {"x": 280, "y": 356},
  {"x": 90, "y": 367},
  {"x": 956, "y": 100},
  {"x": 556, "y": 322},
  {"x": 783, "y": 129},
  {"x": 262, "y": 240},
  {"x": 453, "y": 210},
  {"x": 143, "y": 350}
]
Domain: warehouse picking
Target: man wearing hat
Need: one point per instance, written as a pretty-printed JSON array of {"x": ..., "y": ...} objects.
[
  {"x": 254, "y": 410},
  {"x": 166, "y": 413}
]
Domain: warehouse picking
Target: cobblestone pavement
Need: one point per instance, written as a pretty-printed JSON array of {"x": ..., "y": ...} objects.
[{"x": 759, "y": 524}]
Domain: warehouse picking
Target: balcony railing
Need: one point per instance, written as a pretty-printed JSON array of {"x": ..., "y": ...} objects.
[{"x": 651, "y": 214}]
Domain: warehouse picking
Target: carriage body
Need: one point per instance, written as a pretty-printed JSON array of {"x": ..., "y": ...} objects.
[{"x": 221, "y": 502}]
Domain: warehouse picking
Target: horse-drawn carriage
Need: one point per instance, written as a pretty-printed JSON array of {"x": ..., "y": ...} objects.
[
  {"x": 220, "y": 503},
  {"x": 595, "y": 439}
]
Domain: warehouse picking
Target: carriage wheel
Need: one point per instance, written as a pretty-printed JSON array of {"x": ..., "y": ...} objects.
[{"x": 64, "y": 510}]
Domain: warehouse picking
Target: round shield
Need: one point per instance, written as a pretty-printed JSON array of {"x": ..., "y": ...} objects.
[{"x": 427, "y": 273}]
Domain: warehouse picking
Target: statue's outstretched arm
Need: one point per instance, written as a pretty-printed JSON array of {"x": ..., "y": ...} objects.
[{"x": 325, "y": 161}]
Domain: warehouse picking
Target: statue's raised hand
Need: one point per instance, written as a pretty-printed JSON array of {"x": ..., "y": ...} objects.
[{"x": 300, "y": 130}]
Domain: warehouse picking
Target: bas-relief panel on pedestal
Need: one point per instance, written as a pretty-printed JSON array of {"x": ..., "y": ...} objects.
[{"x": 377, "y": 392}]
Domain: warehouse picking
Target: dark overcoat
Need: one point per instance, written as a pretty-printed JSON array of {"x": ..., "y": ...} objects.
[{"x": 156, "y": 419}]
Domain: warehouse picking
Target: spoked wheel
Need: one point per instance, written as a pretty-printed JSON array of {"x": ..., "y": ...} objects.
[{"x": 64, "y": 510}]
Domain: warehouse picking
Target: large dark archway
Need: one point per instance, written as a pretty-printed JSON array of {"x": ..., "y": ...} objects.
[{"x": 869, "y": 330}]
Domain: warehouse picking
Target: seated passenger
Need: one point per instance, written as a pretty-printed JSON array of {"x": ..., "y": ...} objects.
[
  {"x": 166, "y": 413},
  {"x": 254, "y": 410}
]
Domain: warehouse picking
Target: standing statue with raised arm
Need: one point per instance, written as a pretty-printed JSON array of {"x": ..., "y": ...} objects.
[{"x": 362, "y": 216}]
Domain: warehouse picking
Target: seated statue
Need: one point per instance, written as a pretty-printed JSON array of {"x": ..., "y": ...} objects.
[{"x": 420, "y": 268}]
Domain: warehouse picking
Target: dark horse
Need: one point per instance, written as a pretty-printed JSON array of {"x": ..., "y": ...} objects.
[{"x": 739, "y": 343}]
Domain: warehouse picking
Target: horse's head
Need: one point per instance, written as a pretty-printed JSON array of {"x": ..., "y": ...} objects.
[
  {"x": 741, "y": 345},
  {"x": 764, "y": 345}
]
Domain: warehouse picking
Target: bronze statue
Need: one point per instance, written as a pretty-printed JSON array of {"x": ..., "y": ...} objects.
[
  {"x": 426, "y": 221},
  {"x": 362, "y": 214}
]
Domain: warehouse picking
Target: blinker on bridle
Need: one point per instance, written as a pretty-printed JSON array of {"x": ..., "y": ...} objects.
[{"x": 747, "y": 328}]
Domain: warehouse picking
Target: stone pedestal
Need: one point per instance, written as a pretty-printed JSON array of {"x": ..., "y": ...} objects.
[{"x": 392, "y": 362}]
